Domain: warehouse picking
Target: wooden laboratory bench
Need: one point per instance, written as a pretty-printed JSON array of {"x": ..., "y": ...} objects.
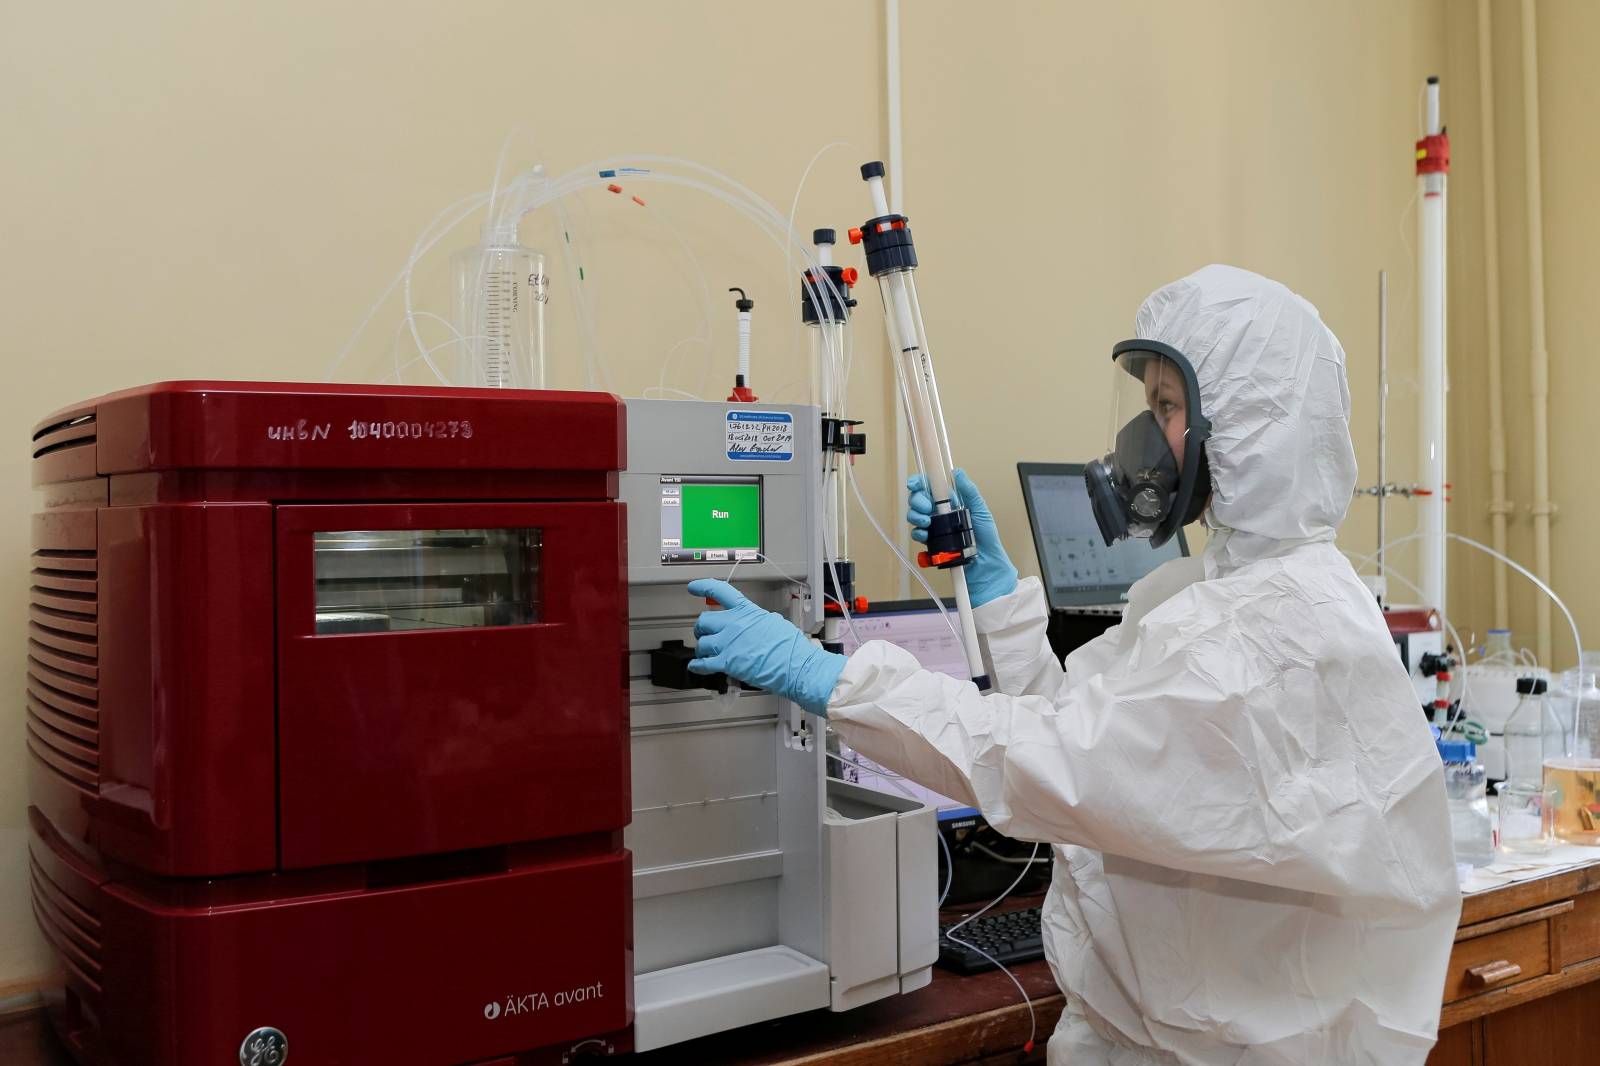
[{"x": 1523, "y": 989}]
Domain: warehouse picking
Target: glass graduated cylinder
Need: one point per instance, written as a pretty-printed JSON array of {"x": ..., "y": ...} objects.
[{"x": 498, "y": 310}]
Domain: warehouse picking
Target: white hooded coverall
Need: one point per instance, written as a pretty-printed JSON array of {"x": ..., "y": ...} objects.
[{"x": 1252, "y": 849}]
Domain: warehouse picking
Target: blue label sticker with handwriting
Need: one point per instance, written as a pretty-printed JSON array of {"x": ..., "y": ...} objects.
[{"x": 767, "y": 436}]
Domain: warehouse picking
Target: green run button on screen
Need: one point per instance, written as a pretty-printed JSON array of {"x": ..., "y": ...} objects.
[{"x": 721, "y": 516}]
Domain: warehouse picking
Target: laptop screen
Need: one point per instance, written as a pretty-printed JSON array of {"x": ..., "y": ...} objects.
[
  {"x": 1077, "y": 568},
  {"x": 918, "y": 627}
]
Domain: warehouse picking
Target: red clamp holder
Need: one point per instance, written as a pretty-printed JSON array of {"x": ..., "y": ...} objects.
[
  {"x": 1433, "y": 154},
  {"x": 938, "y": 560}
]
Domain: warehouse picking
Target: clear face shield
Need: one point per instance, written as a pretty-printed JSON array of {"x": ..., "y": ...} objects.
[{"x": 1153, "y": 479}]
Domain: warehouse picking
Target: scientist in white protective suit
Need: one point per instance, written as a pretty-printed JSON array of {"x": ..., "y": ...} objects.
[{"x": 1252, "y": 849}]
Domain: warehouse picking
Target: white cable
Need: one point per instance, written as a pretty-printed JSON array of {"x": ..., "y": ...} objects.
[
  {"x": 534, "y": 191},
  {"x": 794, "y": 205},
  {"x": 803, "y": 584},
  {"x": 949, "y": 869},
  {"x": 731, "y": 192},
  {"x": 1008, "y": 860},
  {"x": 1577, "y": 640},
  {"x": 830, "y": 554},
  {"x": 915, "y": 571},
  {"x": 666, "y": 364},
  {"x": 475, "y": 199},
  {"x": 1465, "y": 699},
  {"x": 698, "y": 275},
  {"x": 1033, "y": 1022},
  {"x": 892, "y": 778},
  {"x": 875, "y": 771},
  {"x": 735, "y": 195},
  {"x": 401, "y": 368},
  {"x": 664, "y": 391},
  {"x": 760, "y": 558}
]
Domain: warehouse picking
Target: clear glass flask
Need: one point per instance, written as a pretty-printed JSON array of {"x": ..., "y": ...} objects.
[{"x": 498, "y": 309}]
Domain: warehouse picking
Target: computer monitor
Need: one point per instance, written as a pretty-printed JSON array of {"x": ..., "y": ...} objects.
[
  {"x": 1079, "y": 571},
  {"x": 919, "y": 628}
]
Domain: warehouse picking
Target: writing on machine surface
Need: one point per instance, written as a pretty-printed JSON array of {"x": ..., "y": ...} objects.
[{"x": 710, "y": 519}]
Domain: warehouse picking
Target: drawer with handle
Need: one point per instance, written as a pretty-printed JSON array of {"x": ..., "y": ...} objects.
[{"x": 1503, "y": 952}]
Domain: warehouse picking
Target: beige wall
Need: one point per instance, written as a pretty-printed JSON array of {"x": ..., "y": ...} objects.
[
  {"x": 1569, "y": 84},
  {"x": 221, "y": 191},
  {"x": 1067, "y": 159}
]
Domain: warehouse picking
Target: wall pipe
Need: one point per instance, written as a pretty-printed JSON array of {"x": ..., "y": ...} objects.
[
  {"x": 1499, "y": 506},
  {"x": 896, "y": 156},
  {"x": 1538, "y": 357}
]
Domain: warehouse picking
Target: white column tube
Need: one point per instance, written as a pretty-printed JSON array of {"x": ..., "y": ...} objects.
[
  {"x": 920, "y": 395},
  {"x": 1538, "y": 357},
  {"x": 1431, "y": 371},
  {"x": 1499, "y": 506},
  {"x": 744, "y": 347}
]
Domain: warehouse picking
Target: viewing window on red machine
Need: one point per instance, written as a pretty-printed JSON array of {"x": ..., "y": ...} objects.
[{"x": 389, "y": 580}]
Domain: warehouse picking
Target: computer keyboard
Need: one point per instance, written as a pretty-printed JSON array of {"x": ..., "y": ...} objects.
[{"x": 1011, "y": 937}]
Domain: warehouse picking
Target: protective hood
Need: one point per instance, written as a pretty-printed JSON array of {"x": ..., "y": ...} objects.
[{"x": 1272, "y": 381}]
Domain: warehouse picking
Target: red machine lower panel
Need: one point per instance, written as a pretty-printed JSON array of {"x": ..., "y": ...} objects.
[{"x": 439, "y": 974}]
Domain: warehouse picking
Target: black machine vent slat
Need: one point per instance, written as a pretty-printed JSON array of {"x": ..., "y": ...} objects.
[
  {"x": 84, "y": 423},
  {"x": 70, "y": 925}
]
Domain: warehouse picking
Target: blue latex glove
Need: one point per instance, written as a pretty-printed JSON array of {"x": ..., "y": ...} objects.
[
  {"x": 990, "y": 575},
  {"x": 760, "y": 648}
]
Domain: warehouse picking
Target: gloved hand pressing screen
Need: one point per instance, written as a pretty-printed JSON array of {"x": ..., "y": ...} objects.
[
  {"x": 991, "y": 574},
  {"x": 757, "y": 647}
]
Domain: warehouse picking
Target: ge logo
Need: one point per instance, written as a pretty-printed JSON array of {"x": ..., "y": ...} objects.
[
  {"x": 264, "y": 1047},
  {"x": 491, "y": 1011}
]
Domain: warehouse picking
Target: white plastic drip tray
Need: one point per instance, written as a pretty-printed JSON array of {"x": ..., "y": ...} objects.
[{"x": 700, "y": 998}]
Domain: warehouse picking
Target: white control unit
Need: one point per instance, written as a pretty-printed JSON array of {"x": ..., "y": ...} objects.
[{"x": 744, "y": 887}]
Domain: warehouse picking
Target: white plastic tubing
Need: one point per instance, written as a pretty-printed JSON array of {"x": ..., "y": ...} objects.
[
  {"x": 1538, "y": 357},
  {"x": 1360, "y": 561},
  {"x": 531, "y": 191}
]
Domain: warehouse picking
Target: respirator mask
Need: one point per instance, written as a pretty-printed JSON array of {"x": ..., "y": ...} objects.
[{"x": 1154, "y": 480}]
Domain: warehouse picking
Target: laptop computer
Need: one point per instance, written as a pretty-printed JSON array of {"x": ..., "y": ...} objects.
[{"x": 1080, "y": 574}]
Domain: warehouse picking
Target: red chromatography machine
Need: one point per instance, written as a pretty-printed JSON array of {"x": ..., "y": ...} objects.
[{"x": 327, "y": 709}]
